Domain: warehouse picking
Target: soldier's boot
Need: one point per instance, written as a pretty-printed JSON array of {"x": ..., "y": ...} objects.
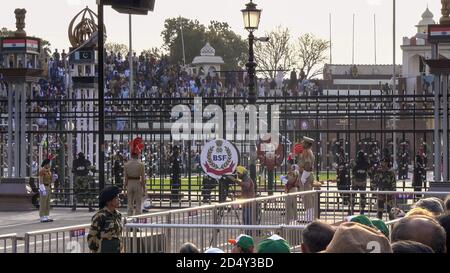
[
  {"x": 91, "y": 209},
  {"x": 74, "y": 207}
]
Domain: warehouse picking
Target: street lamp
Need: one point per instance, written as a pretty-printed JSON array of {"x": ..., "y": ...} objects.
[{"x": 251, "y": 16}]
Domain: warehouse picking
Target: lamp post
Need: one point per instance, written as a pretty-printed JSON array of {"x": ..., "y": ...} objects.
[{"x": 251, "y": 16}]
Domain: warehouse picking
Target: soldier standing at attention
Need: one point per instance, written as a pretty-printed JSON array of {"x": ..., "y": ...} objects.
[
  {"x": 134, "y": 177},
  {"x": 81, "y": 168},
  {"x": 384, "y": 180},
  {"x": 106, "y": 226},
  {"x": 45, "y": 188}
]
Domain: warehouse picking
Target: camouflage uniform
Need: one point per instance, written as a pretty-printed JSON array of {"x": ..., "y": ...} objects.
[
  {"x": 82, "y": 181},
  {"x": 105, "y": 232},
  {"x": 384, "y": 180}
]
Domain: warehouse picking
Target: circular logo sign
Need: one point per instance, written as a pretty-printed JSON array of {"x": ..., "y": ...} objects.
[{"x": 219, "y": 158}]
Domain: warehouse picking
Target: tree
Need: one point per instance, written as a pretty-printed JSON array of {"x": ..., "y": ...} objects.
[
  {"x": 276, "y": 53},
  {"x": 230, "y": 46},
  {"x": 227, "y": 44},
  {"x": 193, "y": 34},
  {"x": 117, "y": 48},
  {"x": 154, "y": 51},
  {"x": 311, "y": 54}
]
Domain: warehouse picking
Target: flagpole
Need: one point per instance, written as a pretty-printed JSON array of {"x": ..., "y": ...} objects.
[
  {"x": 353, "y": 41},
  {"x": 331, "y": 43},
  {"x": 394, "y": 84},
  {"x": 375, "y": 36}
]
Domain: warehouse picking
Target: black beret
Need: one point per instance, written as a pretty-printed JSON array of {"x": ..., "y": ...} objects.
[{"x": 107, "y": 194}]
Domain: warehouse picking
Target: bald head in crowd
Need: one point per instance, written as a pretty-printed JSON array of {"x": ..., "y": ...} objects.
[{"x": 421, "y": 229}]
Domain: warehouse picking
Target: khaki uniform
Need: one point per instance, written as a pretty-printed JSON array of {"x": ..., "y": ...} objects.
[
  {"x": 134, "y": 170},
  {"x": 291, "y": 201},
  {"x": 44, "y": 201},
  {"x": 308, "y": 200}
]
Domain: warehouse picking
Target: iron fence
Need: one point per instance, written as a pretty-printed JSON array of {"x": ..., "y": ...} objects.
[{"x": 8, "y": 243}]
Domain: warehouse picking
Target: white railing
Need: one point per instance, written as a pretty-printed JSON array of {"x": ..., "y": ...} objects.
[{"x": 8, "y": 243}]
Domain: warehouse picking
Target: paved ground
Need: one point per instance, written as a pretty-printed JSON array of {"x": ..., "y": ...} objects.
[{"x": 22, "y": 222}]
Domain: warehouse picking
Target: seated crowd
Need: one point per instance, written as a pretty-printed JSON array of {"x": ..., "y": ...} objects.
[{"x": 424, "y": 229}]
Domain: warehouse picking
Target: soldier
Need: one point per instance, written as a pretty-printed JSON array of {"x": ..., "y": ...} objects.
[
  {"x": 106, "y": 227},
  {"x": 175, "y": 179},
  {"x": 118, "y": 169},
  {"x": 343, "y": 176},
  {"x": 403, "y": 162},
  {"x": 134, "y": 177},
  {"x": 45, "y": 188},
  {"x": 359, "y": 182},
  {"x": 248, "y": 191},
  {"x": 306, "y": 161},
  {"x": 420, "y": 174},
  {"x": 384, "y": 180},
  {"x": 80, "y": 169}
]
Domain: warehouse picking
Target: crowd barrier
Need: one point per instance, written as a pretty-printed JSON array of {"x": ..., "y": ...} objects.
[{"x": 166, "y": 231}]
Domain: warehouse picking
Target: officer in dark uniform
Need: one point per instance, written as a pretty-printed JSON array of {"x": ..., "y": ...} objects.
[
  {"x": 106, "y": 227},
  {"x": 175, "y": 179},
  {"x": 384, "y": 180},
  {"x": 420, "y": 173},
  {"x": 118, "y": 169},
  {"x": 403, "y": 158},
  {"x": 208, "y": 184},
  {"x": 343, "y": 176},
  {"x": 82, "y": 193},
  {"x": 359, "y": 182}
]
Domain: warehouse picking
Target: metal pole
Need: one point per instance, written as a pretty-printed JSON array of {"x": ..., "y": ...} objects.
[
  {"x": 445, "y": 128},
  {"x": 131, "y": 58},
  {"x": 17, "y": 130},
  {"x": 437, "y": 139},
  {"x": 10, "y": 129},
  {"x": 375, "y": 36},
  {"x": 101, "y": 97},
  {"x": 23, "y": 130},
  {"x": 353, "y": 41},
  {"x": 251, "y": 65},
  {"x": 331, "y": 44},
  {"x": 182, "y": 41},
  {"x": 394, "y": 88}
]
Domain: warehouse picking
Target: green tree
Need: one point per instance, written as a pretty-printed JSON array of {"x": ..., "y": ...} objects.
[
  {"x": 154, "y": 51},
  {"x": 227, "y": 44},
  {"x": 311, "y": 54}
]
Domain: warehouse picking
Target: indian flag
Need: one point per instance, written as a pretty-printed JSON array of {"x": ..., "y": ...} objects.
[
  {"x": 439, "y": 31},
  {"x": 14, "y": 44},
  {"x": 32, "y": 44}
]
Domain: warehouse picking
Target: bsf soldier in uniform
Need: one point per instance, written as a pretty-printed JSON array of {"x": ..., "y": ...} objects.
[
  {"x": 175, "y": 179},
  {"x": 45, "y": 188},
  {"x": 81, "y": 168},
  {"x": 343, "y": 176},
  {"x": 106, "y": 226},
  {"x": 420, "y": 174},
  {"x": 359, "y": 182},
  {"x": 134, "y": 176},
  {"x": 384, "y": 180}
]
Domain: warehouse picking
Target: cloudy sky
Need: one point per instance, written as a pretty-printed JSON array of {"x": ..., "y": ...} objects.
[{"x": 49, "y": 19}]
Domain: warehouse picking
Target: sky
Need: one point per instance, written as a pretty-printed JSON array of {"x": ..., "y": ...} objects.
[{"x": 49, "y": 19}]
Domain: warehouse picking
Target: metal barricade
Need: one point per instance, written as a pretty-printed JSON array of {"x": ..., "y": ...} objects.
[
  {"x": 8, "y": 243},
  {"x": 59, "y": 240},
  {"x": 168, "y": 238}
]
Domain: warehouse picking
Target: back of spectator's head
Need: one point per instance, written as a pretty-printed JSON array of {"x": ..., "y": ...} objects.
[
  {"x": 354, "y": 237},
  {"x": 422, "y": 229},
  {"x": 419, "y": 212},
  {"x": 430, "y": 204},
  {"x": 447, "y": 204},
  {"x": 410, "y": 247},
  {"x": 189, "y": 248},
  {"x": 316, "y": 237},
  {"x": 444, "y": 220}
]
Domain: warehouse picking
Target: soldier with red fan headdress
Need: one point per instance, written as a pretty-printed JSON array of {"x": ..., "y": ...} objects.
[{"x": 134, "y": 177}]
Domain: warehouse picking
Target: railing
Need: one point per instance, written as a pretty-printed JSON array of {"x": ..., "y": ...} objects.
[
  {"x": 254, "y": 216},
  {"x": 59, "y": 240},
  {"x": 8, "y": 243},
  {"x": 168, "y": 238}
]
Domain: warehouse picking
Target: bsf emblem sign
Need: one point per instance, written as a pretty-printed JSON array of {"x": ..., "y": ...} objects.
[{"x": 219, "y": 158}]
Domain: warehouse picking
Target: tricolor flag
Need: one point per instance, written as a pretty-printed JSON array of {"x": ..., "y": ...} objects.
[
  {"x": 14, "y": 44},
  {"x": 33, "y": 44},
  {"x": 439, "y": 31}
]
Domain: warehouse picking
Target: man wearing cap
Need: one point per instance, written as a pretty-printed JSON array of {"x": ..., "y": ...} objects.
[
  {"x": 134, "y": 177},
  {"x": 247, "y": 192},
  {"x": 45, "y": 188},
  {"x": 106, "y": 227},
  {"x": 242, "y": 244},
  {"x": 384, "y": 180},
  {"x": 306, "y": 161},
  {"x": 81, "y": 188},
  {"x": 274, "y": 244}
]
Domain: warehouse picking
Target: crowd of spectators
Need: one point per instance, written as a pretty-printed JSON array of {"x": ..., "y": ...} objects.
[{"x": 424, "y": 229}]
